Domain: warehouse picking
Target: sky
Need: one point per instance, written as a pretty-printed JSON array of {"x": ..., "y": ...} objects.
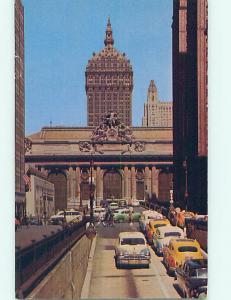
[{"x": 60, "y": 38}]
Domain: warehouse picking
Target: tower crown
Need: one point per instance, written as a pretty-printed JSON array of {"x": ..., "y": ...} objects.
[
  {"x": 152, "y": 92},
  {"x": 109, "y": 37}
]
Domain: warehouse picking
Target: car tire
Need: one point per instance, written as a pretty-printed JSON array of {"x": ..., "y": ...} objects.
[
  {"x": 147, "y": 266},
  {"x": 116, "y": 264}
]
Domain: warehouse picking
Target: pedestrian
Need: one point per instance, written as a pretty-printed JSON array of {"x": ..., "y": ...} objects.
[
  {"x": 130, "y": 215},
  {"x": 26, "y": 221}
]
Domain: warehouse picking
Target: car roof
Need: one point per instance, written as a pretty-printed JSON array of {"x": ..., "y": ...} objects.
[
  {"x": 168, "y": 228},
  {"x": 154, "y": 221},
  {"x": 184, "y": 242},
  {"x": 150, "y": 212},
  {"x": 131, "y": 234},
  {"x": 197, "y": 263}
]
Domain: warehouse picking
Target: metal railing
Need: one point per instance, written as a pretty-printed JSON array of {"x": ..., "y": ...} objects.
[{"x": 34, "y": 262}]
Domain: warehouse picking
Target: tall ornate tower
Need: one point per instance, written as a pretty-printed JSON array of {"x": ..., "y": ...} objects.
[
  {"x": 109, "y": 83},
  {"x": 156, "y": 113}
]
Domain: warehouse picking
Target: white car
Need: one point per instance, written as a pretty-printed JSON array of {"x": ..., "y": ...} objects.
[
  {"x": 148, "y": 215},
  {"x": 71, "y": 217},
  {"x": 99, "y": 213},
  {"x": 132, "y": 250},
  {"x": 163, "y": 235},
  {"x": 135, "y": 203},
  {"x": 113, "y": 206}
]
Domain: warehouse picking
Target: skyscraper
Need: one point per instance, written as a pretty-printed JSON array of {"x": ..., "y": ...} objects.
[
  {"x": 190, "y": 99},
  {"x": 19, "y": 108},
  {"x": 156, "y": 113},
  {"x": 109, "y": 83}
]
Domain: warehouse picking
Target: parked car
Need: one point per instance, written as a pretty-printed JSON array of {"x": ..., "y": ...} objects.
[
  {"x": 132, "y": 250},
  {"x": 113, "y": 206},
  {"x": 123, "y": 215},
  {"x": 72, "y": 216},
  {"x": 178, "y": 251},
  {"x": 146, "y": 216},
  {"x": 122, "y": 203},
  {"x": 99, "y": 213},
  {"x": 34, "y": 221},
  {"x": 192, "y": 278},
  {"x": 135, "y": 203},
  {"x": 153, "y": 225},
  {"x": 163, "y": 235}
]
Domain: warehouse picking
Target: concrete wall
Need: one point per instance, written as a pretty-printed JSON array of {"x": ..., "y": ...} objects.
[{"x": 67, "y": 278}]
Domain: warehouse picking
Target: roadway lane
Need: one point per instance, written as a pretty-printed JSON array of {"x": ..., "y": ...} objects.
[{"x": 109, "y": 282}]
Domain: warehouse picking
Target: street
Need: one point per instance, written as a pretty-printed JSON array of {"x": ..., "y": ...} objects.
[{"x": 109, "y": 282}]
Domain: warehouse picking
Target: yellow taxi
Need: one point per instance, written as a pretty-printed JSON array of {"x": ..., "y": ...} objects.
[
  {"x": 152, "y": 225},
  {"x": 178, "y": 251}
]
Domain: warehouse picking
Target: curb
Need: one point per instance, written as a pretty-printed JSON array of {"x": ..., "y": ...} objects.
[{"x": 87, "y": 280}]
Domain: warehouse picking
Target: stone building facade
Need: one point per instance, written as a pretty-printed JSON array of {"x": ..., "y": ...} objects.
[
  {"x": 40, "y": 201},
  {"x": 156, "y": 113},
  {"x": 19, "y": 109},
  {"x": 190, "y": 100},
  {"x": 127, "y": 163},
  {"x": 109, "y": 83}
]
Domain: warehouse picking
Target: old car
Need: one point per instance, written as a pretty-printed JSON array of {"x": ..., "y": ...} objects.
[
  {"x": 178, "y": 251},
  {"x": 122, "y": 203},
  {"x": 113, "y": 206},
  {"x": 71, "y": 216},
  {"x": 131, "y": 249},
  {"x": 99, "y": 213},
  {"x": 192, "y": 278},
  {"x": 124, "y": 215},
  {"x": 163, "y": 235},
  {"x": 135, "y": 203},
  {"x": 146, "y": 216},
  {"x": 152, "y": 225}
]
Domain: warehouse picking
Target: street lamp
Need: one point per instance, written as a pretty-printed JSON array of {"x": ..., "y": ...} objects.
[
  {"x": 171, "y": 197},
  {"x": 185, "y": 165},
  {"x": 91, "y": 231}
]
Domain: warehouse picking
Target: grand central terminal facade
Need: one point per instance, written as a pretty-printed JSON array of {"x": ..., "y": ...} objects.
[{"x": 123, "y": 162}]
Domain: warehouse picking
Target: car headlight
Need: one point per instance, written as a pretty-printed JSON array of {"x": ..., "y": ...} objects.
[
  {"x": 123, "y": 253},
  {"x": 145, "y": 252}
]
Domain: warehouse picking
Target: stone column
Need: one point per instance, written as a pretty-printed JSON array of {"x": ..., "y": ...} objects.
[
  {"x": 78, "y": 182},
  {"x": 122, "y": 174},
  {"x": 129, "y": 186},
  {"x": 133, "y": 183},
  {"x": 126, "y": 193},
  {"x": 71, "y": 185},
  {"x": 155, "y": 181},
  {"x": 99, "y": 185},
  {"x": 147, "y": 180}
]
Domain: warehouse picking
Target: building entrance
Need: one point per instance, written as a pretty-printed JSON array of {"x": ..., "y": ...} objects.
[{"x": 112, "y": 185}]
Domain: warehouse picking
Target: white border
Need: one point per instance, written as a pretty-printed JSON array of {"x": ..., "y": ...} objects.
[{"x": 7, "y": 196}]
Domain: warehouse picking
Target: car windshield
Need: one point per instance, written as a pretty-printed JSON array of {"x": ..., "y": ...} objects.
[
  {"x": 132, "y": 241},
  {"x": 199, "y": 273},
  {"x": 172, "y": 233},
  {"x": 159, "y": 225},
  {"x": 187, "y": 249},
  {"x": 73, "y": 213}
]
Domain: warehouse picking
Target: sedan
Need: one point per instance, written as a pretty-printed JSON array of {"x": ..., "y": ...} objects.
[
  {"x": 192, "y": 278},
  {"x": 132, "y": 250}
]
